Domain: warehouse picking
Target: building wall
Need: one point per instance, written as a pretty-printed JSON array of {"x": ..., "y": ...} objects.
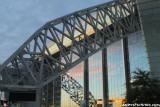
[
  {"x": 138, "y": 58},
  {"x": 149, "y": 11},
  {"x": 116, "y": 76},
  {"x": 77, "y": 74},
  {"x": 95, "y": 77}
]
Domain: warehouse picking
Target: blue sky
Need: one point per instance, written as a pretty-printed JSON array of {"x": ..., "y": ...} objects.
[{"x": 19, "y": 19}]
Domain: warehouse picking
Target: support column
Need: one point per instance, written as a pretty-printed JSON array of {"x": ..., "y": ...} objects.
[
  {"x": 57, "y": 92},
  {"x": 125, "y": 54},
  {"x": 47, "y": 96},
  {"x": 86, "y": 82},
  {"x": 39, "y": 97},
  {"x": 105, "y": 78},
  {"x": 53, "y": 93}
]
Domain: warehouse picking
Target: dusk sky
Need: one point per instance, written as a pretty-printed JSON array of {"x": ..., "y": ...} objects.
[{"x": 19, "y": 19}]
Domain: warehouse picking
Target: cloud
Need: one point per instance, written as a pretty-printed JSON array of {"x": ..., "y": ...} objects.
[{"x": 21, "y": 18}]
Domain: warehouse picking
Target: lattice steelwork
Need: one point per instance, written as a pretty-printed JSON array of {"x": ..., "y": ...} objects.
[
  {"x": 49, "y": 52},
  {"x": 75, "y": 90}
]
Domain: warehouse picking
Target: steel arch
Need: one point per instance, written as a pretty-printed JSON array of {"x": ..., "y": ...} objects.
[{"x": 60, "y": 44}]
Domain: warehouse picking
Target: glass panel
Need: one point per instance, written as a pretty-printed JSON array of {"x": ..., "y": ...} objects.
[
  {"x": 95, "y": 78},
  {"x": 116, "y": 76},
  {"x": 137, "y": 53},
  {"x": 74, "y": 80}
]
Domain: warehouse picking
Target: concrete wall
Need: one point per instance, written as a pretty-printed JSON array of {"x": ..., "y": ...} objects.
[
  {"x": 28, "y": 104},
  {"x": 149, "y": 11}
]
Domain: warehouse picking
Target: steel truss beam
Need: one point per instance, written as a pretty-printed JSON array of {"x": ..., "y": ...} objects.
[{"x": 50, "y": 51}]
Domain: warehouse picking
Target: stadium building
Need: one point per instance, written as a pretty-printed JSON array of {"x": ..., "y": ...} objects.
[{"x": 87, "y": 58}]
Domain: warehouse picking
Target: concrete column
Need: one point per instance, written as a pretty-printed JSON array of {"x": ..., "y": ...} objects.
[
  {"x": 149, "y": 12},
  {"x": 86, "y": 83},
  {"x": 47, "y": 98},
  {"x": 53, "y": 93},
  {"x": 38, "y": 97},
  {"x": 105, "y": 78},
  {"x": 125, "y": 54}
]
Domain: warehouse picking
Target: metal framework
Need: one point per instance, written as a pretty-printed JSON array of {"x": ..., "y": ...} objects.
[
  {"x": 60, "y": 44},
  {"x": 75, "y": 90}
]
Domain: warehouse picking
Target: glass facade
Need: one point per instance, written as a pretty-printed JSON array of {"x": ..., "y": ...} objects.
[
  {"x": 67, "y": 97},
  {"x": 66, "y": 94},
  {"x": 116, "y": 75},
  {"x": 95, "y": 78},
  {"x": 137, "y": 52}
]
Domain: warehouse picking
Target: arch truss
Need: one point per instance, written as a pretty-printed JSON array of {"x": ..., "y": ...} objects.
[{"x": 62, "y": 43}]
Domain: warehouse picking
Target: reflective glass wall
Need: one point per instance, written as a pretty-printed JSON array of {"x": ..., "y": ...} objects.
[
  {"x": 137, "y": 52},
  {"x": 66, "y": 93},
  {"x": 116, "y": 75},
  {"x": 95, "y": 78},
  {"x": 72, "y": 85}
]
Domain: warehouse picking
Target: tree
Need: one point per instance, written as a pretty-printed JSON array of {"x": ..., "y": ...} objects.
[{"x": 144, "y": 88}]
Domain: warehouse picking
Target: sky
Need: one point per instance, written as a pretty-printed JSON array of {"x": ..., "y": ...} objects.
[{"x": 19, "y": 19}]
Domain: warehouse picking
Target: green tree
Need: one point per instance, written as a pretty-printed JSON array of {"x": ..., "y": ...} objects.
[{"x": 144, "y": 88}]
